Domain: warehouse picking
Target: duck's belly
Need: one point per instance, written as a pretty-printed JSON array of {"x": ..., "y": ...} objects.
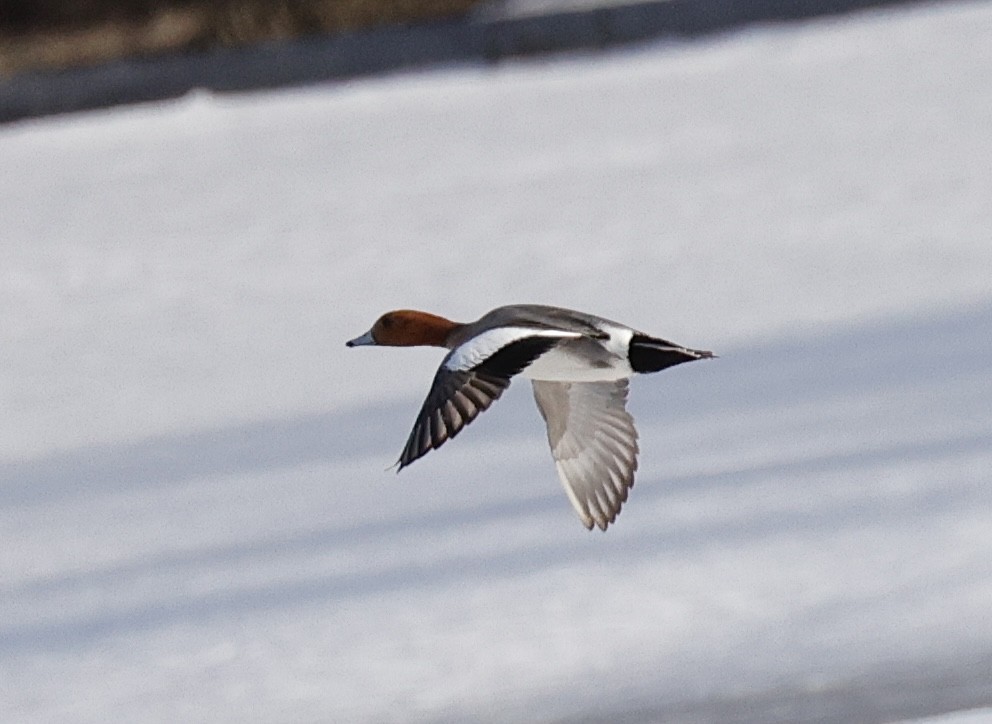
[{"x": 563, "y": 366}]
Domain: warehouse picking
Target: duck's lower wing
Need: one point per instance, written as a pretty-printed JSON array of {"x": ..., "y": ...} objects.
[
  {"x": 455, "y": 399},
  {"x": 457, "y": 396},
  {"x": 594, "y": 444}
]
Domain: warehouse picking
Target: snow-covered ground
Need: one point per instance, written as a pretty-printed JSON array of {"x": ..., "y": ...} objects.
[{"x": 196, "y": 518}]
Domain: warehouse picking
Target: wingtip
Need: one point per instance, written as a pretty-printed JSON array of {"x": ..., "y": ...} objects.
[{"x": 602, "y": 523}]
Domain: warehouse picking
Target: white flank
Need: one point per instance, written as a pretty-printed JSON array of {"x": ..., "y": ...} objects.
[{"x": 557, "y": 364}]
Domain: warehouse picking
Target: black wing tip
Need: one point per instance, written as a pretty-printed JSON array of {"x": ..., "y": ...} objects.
[
  {"x": 409, "y": 456},
  {"x": 410, "y": 452}
]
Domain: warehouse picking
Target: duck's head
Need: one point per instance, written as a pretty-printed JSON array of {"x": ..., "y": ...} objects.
[{"x": 407, "y": 328}]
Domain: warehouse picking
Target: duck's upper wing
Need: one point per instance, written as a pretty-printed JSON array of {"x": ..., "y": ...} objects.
[
  {"x": 470, "y": 379},
  {"x": 594, "y": 444}
]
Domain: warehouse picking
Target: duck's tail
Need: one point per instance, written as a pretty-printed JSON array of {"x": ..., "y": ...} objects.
[{"x": 650, "y": 354}]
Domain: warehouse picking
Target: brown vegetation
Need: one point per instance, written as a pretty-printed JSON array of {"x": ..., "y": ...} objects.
[{"x": 55, "y": 34}]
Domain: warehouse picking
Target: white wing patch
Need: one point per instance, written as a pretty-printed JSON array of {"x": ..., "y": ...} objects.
[
  {"x": 477, "y": 350},
  {"x": 594, "y": 444}
]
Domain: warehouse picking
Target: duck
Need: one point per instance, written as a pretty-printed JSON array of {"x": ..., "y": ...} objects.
[{"x": 579, "y": 366}]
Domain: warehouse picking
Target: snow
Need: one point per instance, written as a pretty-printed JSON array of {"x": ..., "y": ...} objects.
[
  {"x": 971, "y": 716},
  {"x": 198, "y": 520}
]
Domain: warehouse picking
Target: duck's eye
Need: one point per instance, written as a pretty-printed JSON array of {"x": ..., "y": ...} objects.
[{"x": 387, "y": 322}]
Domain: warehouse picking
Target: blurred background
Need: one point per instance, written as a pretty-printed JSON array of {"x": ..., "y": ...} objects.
[
  {"x": 47, "y": 34},
  {"x": 198, "y": 518}
]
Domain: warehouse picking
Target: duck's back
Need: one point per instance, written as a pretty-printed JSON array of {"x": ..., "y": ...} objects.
[{"x": 547, "y": 317}]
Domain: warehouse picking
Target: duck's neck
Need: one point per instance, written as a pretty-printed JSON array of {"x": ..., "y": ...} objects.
[{"x": 436, "y": 331}]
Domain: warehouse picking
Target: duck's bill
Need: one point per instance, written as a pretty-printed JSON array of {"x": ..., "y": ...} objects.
[{"x": 359, "y": 341}]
